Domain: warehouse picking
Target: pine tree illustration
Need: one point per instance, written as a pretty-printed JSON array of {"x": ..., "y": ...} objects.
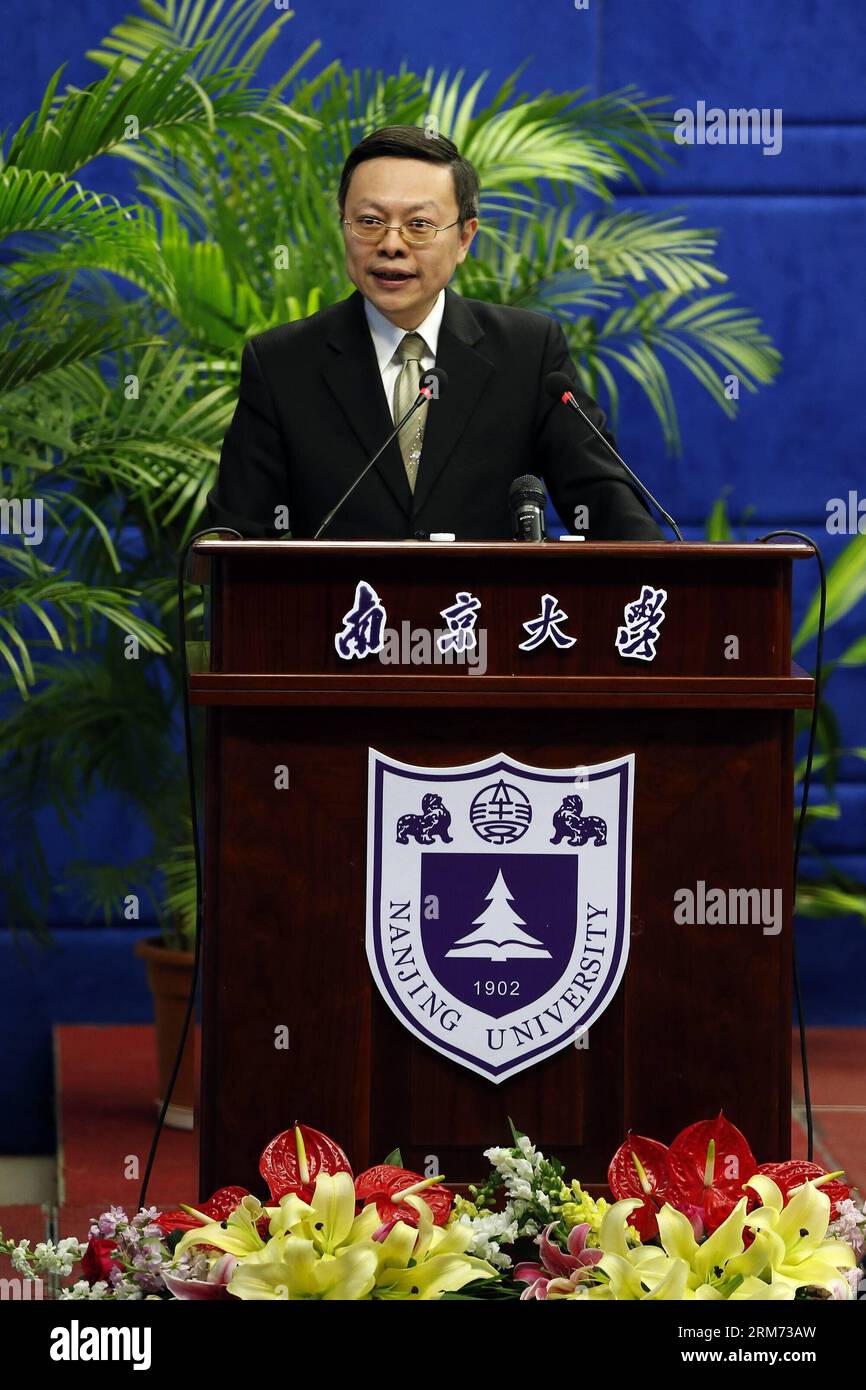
[{"x": 497, "y": 934}]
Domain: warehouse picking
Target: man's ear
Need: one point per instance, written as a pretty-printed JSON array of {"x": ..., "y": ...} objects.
[{"x": 467, "y": 232}]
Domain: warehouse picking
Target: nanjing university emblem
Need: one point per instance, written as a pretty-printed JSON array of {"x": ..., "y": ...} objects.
[{"x": 498, "y": 902}]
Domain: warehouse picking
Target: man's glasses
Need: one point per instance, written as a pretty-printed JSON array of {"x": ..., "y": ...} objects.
[{"x": 418, "y": 232}]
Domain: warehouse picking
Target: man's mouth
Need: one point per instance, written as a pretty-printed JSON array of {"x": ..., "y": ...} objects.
[{"x": 393, "y": 277}]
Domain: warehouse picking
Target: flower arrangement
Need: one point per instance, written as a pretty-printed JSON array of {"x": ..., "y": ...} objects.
[{"x": 698, "y": 1219}]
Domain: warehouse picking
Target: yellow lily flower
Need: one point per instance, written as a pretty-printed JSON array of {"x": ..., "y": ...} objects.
[
  {"x": 329, "y": 1221},
  {"x": 321, "y": 1250},
  {"x": 292, "y": 1269},
  {"x": 718, "y": 1252},
  {"x": 237, "y": 1235},
  {"x": 641, "y": 1273},
  {"x": 750, "y": 1288},
  {"x": 427, "y": 1262},
  {"x": 792, "y": 1237},
  {"x": 318, "y": 1249}
]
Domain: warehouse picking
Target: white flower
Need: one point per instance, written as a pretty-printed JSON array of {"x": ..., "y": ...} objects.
[
  {"x": 497, "y": 1157},
  {"x": 529, "y": 1150},
  {"x": 489, "y": 1230},
  {"x": 127, "y": 1292},
  {"x": 522, "y": 1191},
  {"x": 19, "y": 1259},
  {"x": 69, "y": 1245},
  {"x": 81, "y": 1289}
]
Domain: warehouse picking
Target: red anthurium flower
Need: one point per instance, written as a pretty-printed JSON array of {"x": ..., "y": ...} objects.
[
  {"x": 639, "y": 1168},
  {"x": 217, "y": 1208},
  {"x": 709, "y": 1162},
  {"x": 386, "y": 1186},
  {"x": 794, "y": 1172},
  {"x": 292, "y": 1161},
  {"x": 98, "y": 1259}
]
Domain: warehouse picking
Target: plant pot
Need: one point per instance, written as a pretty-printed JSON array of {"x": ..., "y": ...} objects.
[{"x": 169, "y": 975}]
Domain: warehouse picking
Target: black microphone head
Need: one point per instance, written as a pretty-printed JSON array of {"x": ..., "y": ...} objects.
[
  {"x": 437, "y": 381},
  {"x": 557, "y": 383},
  {"x": 528, "y": 488}
]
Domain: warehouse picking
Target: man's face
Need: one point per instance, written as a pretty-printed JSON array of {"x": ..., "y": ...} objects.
[{"x": 404, "y": 281}]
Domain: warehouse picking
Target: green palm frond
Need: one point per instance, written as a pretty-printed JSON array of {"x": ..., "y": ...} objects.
[
  {"x": 133, "y": 256},
  {"x": 30, "y": 353},
  {"x": 827, "y": 899},
  {"x": 105, "y": 888},
  {"x": 35, "y": 202},
  {"x": 92, "y": 721},
  {"x": 709, "y": 336},
  {"x": 62, "y": 613},
  {"x": 216, "y": 29},
  {"x": 160, "y": 445},
  {"x": 641, "y": 246},
  {"x": 162, "y": 99},
  {"x": 846, "y": 586},
  {"x": 517, "y": 139}
]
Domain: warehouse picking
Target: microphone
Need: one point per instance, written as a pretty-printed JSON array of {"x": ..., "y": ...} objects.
[
  {"x": 559, "y": 384},
  {"x": 433, "y": 385},
  {"x": 526, "y": 498}
]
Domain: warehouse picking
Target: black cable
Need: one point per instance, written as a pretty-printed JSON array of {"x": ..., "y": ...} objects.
[
  {"x": 801, "y": 820},
  {"x": 199, "y": 892}
]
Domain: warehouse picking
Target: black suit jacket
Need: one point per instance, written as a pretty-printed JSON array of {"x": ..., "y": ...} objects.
[{"x": 312, "y": 411}]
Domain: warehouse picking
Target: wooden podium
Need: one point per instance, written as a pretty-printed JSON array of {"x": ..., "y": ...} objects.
[{"x": 702, "y": 1018}]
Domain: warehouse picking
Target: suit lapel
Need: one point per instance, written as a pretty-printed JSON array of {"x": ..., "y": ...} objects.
[
  {"x": 467, "y": 372},
  {"x": 352, "y": 373}
]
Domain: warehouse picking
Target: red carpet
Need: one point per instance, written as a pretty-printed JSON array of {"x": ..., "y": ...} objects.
[
  {"x": 106, "y": 1088},
  {"x": 837, "y": 1072}
]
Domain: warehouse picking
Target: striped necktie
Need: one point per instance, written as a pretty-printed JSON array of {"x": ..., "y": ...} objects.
[{"x": 409, "y": 352}]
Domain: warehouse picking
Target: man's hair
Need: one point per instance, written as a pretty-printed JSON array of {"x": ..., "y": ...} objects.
[{"x": 411, "y": 142}]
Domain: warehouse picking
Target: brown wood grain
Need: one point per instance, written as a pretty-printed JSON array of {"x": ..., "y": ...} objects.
[{"x": 702, "y": 1019}]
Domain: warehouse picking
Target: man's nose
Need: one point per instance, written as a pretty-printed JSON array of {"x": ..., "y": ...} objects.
[{"x": 392, "y": 241}]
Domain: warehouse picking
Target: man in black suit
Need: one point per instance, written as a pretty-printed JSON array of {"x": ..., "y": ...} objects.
[{"x": 319, "y": 396}]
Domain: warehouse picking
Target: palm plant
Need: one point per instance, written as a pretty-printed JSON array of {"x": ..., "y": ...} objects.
[
  {"x": 835, "y": 893},
  {"x": 123, "y": 326}
]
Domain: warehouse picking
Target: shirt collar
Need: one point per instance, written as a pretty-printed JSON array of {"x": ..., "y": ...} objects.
[{"x": 387, "y": 335}]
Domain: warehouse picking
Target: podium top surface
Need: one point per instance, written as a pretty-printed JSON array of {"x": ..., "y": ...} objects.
[{"x": 631, "y": 549}]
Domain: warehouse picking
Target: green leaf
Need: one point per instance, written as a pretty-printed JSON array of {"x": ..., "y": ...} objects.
[
  {"x": 855, "y": 655},
  {"x": 827, "y": 900},
  {"x": 846, "y": 586},
  {"x": 718, "y": 526},
  {"x": 516, "y": 1134}
]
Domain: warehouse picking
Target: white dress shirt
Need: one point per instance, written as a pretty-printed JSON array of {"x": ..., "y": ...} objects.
[{"x": 387, "y": 338}]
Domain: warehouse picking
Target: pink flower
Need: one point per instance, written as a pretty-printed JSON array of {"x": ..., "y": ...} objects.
[
  {"x": 215, "y": 1286},
  {"x": 563, "y": 1269},
  {"x": 695, "y": 1215}
]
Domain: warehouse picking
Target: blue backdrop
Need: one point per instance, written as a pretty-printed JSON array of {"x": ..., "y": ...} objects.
[{"x": 793, "y": 233}]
